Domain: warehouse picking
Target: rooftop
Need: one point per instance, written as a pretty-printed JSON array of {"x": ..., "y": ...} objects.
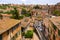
[
  {"x": 46, "y": 22},
  {"x": 56, "y": 21},
  {"x": 58, "y": 3},
  {"x": 6, "y": 24},
  {"x": 8, "y": 15},
  {"x": 25, "y": 22}
]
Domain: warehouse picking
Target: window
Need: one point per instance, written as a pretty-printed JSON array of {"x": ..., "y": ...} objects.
[
  {"x": 15, "y": 26},
  {"x": 16, "y": 35},
  {"x": 12, "y": 30},
  {"x": 53, "y": 37},
  {"x": 59, "y": 32},
  {"x": 51, "y": 31},
  {"x": 0, "y": 37},
  {"x": 8, "y": 32},
  {"x": 48, "y": 29},
  {"x": 12, "y": 38},
  {"x": 54, "y": 27}
]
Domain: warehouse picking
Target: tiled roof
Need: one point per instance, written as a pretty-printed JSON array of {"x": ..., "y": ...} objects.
[
  {"x": 46, "y": 22},
  {"x": 24, "y": 24},
  {"x": 6, "y": 24}
]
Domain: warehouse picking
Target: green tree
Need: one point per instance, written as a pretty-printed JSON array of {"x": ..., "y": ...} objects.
[
  {"x": 25, "y": 13},
  {"x": 21, "y": 17},
  {"x": 3, "y": 6},
  {"x": 56, "y": 12},
  {"x": 36, "y": 7},
  {"x": 7, "y": 12},
  {"x": 15, "y": 13}
]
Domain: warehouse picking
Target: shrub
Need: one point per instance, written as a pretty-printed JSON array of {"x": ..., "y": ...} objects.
[
  {"x": 29, "y": 34},
  {"x": 28, "y": 15}
]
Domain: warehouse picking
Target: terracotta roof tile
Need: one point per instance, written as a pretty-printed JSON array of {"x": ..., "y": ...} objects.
[{"x": 6, "y": 24}]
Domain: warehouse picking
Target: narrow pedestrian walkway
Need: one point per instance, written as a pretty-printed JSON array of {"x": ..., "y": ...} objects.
[{"x": 35, "y": 37}]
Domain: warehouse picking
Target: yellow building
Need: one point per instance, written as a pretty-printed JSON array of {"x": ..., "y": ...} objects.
[{"x": 10, "y": 29}]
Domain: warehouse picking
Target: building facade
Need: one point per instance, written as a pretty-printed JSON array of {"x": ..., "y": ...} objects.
[
  {"x": 52, "y": 28},
  {"x": 10, "y": 29}
]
